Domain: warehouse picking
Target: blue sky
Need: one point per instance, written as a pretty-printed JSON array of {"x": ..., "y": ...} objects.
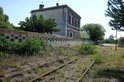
[{"x": 91, "y": 11}]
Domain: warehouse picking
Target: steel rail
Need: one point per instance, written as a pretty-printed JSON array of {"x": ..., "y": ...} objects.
[
  {"x": 79, "y": 80},
  {"x": 47, "y": 73}
]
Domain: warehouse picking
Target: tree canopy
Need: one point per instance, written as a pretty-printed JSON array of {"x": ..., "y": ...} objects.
[
  {"x": 95, "y": 31},
  {"x": 4, "y": 20},
  {"x": 39, "y": 24},
  {"x": 115, "y": 10}
]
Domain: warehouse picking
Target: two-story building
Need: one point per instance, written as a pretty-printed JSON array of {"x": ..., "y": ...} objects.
[{"x": 67, "y": 19}]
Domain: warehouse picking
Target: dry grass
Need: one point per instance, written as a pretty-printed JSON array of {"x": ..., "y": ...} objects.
[
  {"x": 112, "y": 67},
  {"x": 16, "y": 63}
]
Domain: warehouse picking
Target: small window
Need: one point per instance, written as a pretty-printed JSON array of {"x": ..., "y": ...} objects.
[
  {"x": 70, "y": 34},
  {"x": 16, "y": 37},
  {"x": 69, "y": 19},
  {"x": 78, "y": 24},
  {"x": 7, "y": 37},
  {"x": 23, "y": 37},
  {"x": 73, "y": 21},
  {"x": 12, "y": 39},
  {"x": 20, "y": 40}
]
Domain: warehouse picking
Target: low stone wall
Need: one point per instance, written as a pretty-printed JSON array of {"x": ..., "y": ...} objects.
[{"x": 53, "y": 40}]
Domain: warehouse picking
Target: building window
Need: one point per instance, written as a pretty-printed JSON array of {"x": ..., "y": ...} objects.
[
  {"x": 78, "y": 24},
  {"x": 71, "y": 34},
  {"x": 73, "y": 21},
  {"x": 69, "y": 19}
]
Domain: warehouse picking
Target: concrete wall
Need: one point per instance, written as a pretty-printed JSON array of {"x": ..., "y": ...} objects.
[{"x": 53, "y": 40}]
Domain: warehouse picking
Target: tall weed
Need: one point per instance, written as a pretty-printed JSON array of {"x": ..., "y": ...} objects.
[{"x": 87, "y": 49}]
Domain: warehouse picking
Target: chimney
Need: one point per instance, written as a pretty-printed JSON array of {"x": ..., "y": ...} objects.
[
  {"x": 41, "y": 6},
  {"x": 57, "y": 4}
]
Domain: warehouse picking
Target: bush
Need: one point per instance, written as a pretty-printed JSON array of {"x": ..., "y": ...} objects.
[
  {"x": 30, "y": 45},
  {"x": 7, "y": 45},
  {"x": 87, "y": 49}
]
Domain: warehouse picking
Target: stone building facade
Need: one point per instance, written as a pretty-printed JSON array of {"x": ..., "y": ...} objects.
[{"x": 67, "y": 19}]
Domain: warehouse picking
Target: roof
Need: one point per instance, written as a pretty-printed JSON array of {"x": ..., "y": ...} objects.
[{"x": 54, "y": 7}]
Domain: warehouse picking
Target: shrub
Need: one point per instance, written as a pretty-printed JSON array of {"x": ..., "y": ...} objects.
[
  {"x": 87, "y": 49},
  {"x": 30, "y": 45},
  {"x": 7, "y": 45}
]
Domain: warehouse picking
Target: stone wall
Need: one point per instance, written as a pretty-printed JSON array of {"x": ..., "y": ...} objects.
[{"x": 53, "y": 40}]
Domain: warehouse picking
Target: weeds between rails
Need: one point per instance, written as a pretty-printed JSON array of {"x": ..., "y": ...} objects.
[
  {"x": 15, "y": 73},
  {"x": 47, "y": 73}
]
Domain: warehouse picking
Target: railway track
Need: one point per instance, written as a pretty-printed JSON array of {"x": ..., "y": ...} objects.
[
  {"x": 19, "y": 74},
  {"x": 52, "y": 73},
  {"x": 53, "y": 70},
  {"x": 85, "y": 72},
  {"x": 67, "y": 67}
]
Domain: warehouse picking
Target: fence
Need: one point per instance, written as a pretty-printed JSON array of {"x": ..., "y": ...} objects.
[{"x": 53, "y": 40}]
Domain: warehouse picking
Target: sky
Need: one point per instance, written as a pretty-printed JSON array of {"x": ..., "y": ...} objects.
[{"x": 91, "y": 11}]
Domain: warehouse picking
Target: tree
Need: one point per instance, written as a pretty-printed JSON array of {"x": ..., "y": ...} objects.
[
  {"x": 84, "y": 35},
  {"x": 39, "y": 24},
  {"x": 116, "y": 12},
  {"x": 121, "y": 39},
  {"x": 95, "y": 31},
  {"x": 4, "y": 20},
  {"x": 110, "y": 39}
]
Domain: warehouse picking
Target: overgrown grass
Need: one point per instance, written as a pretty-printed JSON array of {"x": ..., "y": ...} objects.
[
  {"x": 87, "y": 49},
  {"x": 11, "y": 61},
  {"x": 109, "y": 63},
  {"x": 98, "y": 58},
  {"x": 110, "y": 67}
]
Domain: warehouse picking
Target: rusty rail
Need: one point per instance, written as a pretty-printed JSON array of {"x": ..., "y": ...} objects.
[
  {"x": 79, "y": 80},
  {"x": 47, "y": 73}
]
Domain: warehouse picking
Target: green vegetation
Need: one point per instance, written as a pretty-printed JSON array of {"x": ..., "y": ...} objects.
[
  {"x": 95, "y": 31},
  {"x": 98, "y": 58},
  {"x": 29, "y": 46},
  {"x": 121, "y": 39},
  {"x": 4, "y": 20},
  {"x": 110, "y": 39},
  {"x": 108, "y": 63},
  {"x": 84, "y": 35},
  {"x": 87, "y": 49},
  {"x": 39, "y": 24},
  {"x": 115, "y": 11},
  {"x": 110, "y": 67}
]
